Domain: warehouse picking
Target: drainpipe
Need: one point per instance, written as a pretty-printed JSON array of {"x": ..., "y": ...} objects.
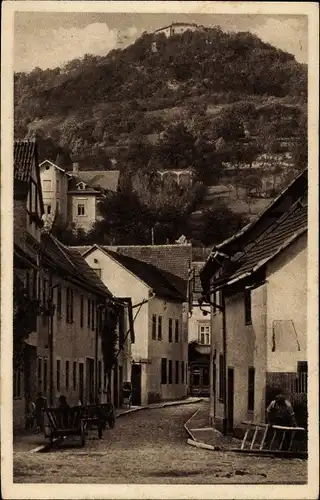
[
  {"x": 96, "y": 357},
  {"x": 224, "y": 348}
]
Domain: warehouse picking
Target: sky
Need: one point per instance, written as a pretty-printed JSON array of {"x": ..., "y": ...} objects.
[{"x": 51, "y": 39}]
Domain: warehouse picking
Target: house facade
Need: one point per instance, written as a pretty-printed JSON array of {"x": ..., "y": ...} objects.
[
  {"x": 256, "y": 283},
  {"x": 61, "y": 308},
  {"x": 75, "y": 195},
  {"x": 199, "y": 327},
  {"x": 28, "y": 212},
  {"x": 159, "y": 353}
]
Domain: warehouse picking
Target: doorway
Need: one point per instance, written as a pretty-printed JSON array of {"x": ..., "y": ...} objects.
[
  {"x": 136, "y": 385},
  {"x": 230, "y": 406},
  {"x": 90, "y": 380},
  {"x": 81, "y": 383},
  {"x": 115, "y": 386}
]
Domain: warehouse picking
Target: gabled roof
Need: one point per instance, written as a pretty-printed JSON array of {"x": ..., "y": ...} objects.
[
  {"x": 173, "y": 261},
  {"x": 24, "y": 153},
  {"x": 149, "y": 274},
  {"x": 72, "y": 265},
  {"x": 275, "y": 239},
  {"x": 105, "y": 179},
  {"x": 43, "y": 163},
  {"x": 250, "y": 233}
]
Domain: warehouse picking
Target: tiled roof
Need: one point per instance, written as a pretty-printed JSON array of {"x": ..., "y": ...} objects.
[
  {"x": 105, "y": 179},
  {"x": 174, "y": 259},
  {"x": 149, "y": 274},
  {"x": 252, "y": 231},
  {"x": 275, "y": 239},
  {"x": 72, "y": 264},
  {"x": 24, "y": 153}
]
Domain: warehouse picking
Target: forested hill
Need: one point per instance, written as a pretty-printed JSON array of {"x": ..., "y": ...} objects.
[{"x": 94, "y": 108}]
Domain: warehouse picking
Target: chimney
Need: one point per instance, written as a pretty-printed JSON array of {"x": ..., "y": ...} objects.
[{"x": 75, "y": 168}]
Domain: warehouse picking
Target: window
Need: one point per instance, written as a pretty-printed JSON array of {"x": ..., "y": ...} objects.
[
  {"x": 163, "y": 370},
  {"x": 182, "y": 372},
  {"x": 302, "y": 367},
  {"x": 176, "y": 331},
  {"x": 58, "y": 374},
  {"x": 69, "y": 305},
  {"x": 48, "y": 209},
  {"x": 221, "y": 377},
  {"x": 177, "y": 372},
  {"x": 39, "y": 374},
  {"x": 81, "y": 209},
  {"x": 74, "y": 375},
  {"x": 170, "y": 372},
  {"x": 67, "y": 375},
  {"x": 59, "y": 293},
  {"x": 89, "y": 313},
  {"x": 81, "y": 310},
  {"x": 44, "y": 292},
  {"x": 34, "y": 284},
  {"x": 154, "y": 326},
  {"x": 204, "y": 332},
  {"x": 99, "y": 374},
  {"x": 92, "y": 314},
  {"x": 81, "y": 382},
  {"x": 170, "y": 329},
  {"x": 97, "y": 271},
  {"x": 247, "y": 307},
  {"x": 160, "y": 328},
  {"x": 251, "y": 388},
  {"x": 45, "y": 375}
]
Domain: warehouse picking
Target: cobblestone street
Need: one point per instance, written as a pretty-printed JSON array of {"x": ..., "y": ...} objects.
[{"x": 150, "y": 447}]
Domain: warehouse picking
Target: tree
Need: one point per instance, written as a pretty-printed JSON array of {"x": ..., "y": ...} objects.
[
  {"x": 125, "y": 220},
  {"x": 176, "y": 148},
  {"x": 220, "y": 223}
]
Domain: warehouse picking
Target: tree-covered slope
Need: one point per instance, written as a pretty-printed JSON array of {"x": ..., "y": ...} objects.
[{"x": 95, "y": 108}]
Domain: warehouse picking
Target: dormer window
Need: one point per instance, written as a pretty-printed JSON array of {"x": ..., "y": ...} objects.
[{"x": 81, "y": 186}]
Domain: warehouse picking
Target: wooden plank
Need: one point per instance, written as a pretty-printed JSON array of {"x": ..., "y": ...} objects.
[
  {"x": 245, "y": 438},
  {"x": 254, "y": 437},
  {"x": 264, "y": 438}
]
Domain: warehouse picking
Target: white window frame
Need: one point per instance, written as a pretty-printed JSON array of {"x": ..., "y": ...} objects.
[
  {"x": 204, "y": 329},
  {"x": 83, "y": 205}
]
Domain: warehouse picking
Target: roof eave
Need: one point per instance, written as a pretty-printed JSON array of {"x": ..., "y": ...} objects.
[{"x": 265, "y": 261}]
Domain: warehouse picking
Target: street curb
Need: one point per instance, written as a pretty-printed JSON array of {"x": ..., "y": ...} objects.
[
  {"x": 160, "y": 405},
  {"x": 132, "y": 410}
]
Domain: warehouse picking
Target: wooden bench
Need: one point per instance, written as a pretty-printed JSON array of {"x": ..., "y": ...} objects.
[
  {"x": 64, "y": 422},
  {"x": 99, "y": 415}
]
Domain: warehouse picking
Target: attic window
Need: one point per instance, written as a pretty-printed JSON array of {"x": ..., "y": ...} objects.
[{"x": 81, "y": 185}]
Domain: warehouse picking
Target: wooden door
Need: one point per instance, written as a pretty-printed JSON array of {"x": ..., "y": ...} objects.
[
  {"x": 136, "y": 385},
  {"x": 230, "y": 396}
]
